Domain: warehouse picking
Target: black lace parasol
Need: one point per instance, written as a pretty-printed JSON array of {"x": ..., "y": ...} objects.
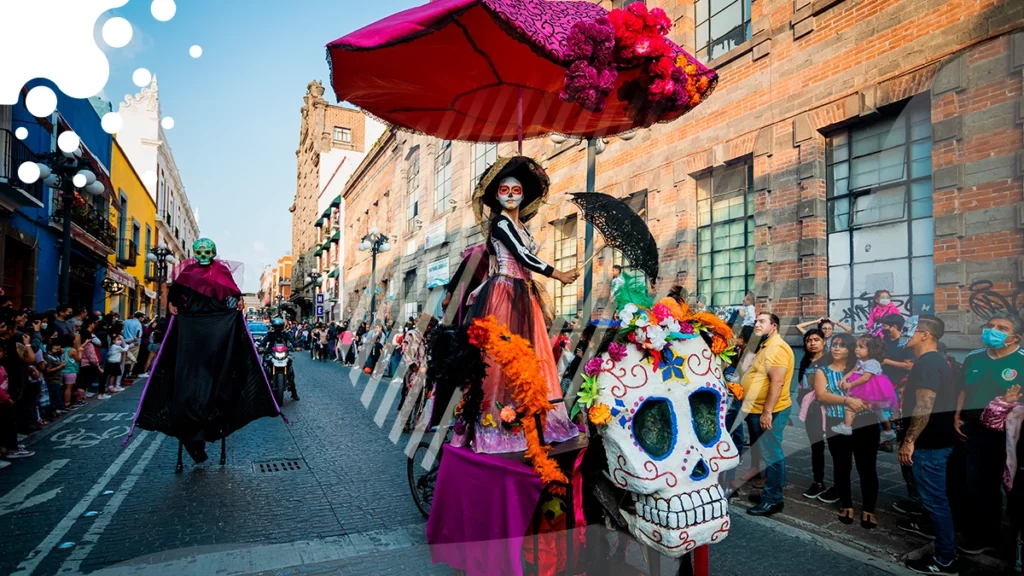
[{"x": 622, "y": 229}]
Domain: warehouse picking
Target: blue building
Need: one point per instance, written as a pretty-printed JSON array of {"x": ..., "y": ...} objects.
[{"x": 31, "y": 215}]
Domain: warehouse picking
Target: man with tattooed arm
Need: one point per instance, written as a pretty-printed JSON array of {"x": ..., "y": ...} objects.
[{"x": 929, "y": 402}]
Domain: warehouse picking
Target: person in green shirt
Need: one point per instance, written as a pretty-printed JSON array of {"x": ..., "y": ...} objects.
[{"x": 986, "y": 374}]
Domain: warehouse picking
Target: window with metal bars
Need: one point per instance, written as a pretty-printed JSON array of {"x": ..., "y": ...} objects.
[
  {"x": 567, "y": 295},
  {"x": 412, "y": 187},
  {"x": 725, "y": 234},
  {"x": 442, "y": 176},
  {"x": 484, "y": 154},
  {"x": 880, "y": 228},
  {"x": 720, "y": 26}
]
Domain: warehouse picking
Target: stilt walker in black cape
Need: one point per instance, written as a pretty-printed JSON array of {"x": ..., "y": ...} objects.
[{"x": 207, "y": 380}]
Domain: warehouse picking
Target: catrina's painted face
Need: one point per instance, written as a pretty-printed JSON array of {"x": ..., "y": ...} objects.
[{"x": 510, "y": 193}]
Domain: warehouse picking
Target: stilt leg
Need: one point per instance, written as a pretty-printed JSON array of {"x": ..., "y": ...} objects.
[
  {"x": 179, "y": 467},
  {"x": 223, "y": 445}
]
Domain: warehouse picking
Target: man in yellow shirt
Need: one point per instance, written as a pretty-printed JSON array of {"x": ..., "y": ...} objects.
[{"x": 767, "y": 383}]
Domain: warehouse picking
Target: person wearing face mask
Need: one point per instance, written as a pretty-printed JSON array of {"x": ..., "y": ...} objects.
[
  {"x": 987, "y": 373},
  {"x": 881, "y": 308},
  {"x": 510, "y": 192}
]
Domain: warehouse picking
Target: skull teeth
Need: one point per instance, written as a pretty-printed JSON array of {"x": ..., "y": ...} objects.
[{"x": 682, "y": 510}]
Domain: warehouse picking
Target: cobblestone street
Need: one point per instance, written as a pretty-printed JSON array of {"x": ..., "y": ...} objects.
[{"x": 85, "y": 505}]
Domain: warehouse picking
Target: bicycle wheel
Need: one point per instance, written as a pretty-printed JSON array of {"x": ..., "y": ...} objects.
[{"x": 421, "y": 480}]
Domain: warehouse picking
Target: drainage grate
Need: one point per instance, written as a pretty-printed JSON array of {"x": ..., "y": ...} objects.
[{"x": 278, "y": 466}]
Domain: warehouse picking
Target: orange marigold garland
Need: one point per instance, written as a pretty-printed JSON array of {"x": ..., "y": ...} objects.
[{"x": 527, "y": 386}]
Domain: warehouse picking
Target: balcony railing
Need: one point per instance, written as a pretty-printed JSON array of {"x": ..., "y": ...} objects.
[
  {"x": 13, "y": 153},
  {"x": 93, "y": 221},
  {"x": 127, "y": 253}
]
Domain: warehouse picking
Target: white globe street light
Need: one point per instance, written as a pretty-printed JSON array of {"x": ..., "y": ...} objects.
[
  {"x": 79, "y": 180},
  {"x": 89, "y": 176},
  {"x": 96, "y": 188},
  {"x": 151, "y": 257}
]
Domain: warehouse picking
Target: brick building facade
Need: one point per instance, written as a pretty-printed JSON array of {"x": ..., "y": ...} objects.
[
  {"x": 850, "y": 146},
  {"x": 327, "y": 135}
]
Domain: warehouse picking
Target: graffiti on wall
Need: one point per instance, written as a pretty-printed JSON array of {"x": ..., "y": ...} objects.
[
  {"x": 986, "y": 302},
  {"x": 857, "y": 315}
]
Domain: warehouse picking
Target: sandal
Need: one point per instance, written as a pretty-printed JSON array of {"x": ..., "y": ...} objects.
[
  {"x": 846, "y": 515},
  {"x": 868, "y": 520}
]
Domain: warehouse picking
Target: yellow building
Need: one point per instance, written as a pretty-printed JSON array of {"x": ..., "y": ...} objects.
[{"x": 128, "y": 270}]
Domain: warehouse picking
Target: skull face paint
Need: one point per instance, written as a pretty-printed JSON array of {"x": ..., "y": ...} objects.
[
  {"x": 204, "y": 250},
  {"x": 667, "y": 443},
  {"x": 510, "y": 193}
]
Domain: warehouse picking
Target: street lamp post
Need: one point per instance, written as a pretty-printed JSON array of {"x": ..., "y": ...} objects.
[
  {"x": 162, "y": 256},
  {"x": 66, "y": 171},
  {"x": 314, "y": 282},
  {"x": 376, "y": 243}
]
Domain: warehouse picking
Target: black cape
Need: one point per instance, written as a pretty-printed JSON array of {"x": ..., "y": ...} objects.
[{"x": 207, "y": 380}]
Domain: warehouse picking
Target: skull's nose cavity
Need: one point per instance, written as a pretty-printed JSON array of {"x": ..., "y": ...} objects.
[{"x": 700, "y": 471}]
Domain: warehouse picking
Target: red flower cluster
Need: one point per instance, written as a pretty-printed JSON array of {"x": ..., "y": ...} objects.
[
  {"x": 477, "y": 335},
  {"x": 630, "y": 38},
  {"x": 640, "y": 34}
]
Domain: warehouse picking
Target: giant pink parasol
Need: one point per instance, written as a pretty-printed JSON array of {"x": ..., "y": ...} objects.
[{"x": 478, "y": 70}]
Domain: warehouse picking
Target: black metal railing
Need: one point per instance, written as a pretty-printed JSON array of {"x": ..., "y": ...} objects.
[
  {"x": 13, "y": 153},
  {"x": 92, "y": 220},
  {"x": 127, "y": 254}
]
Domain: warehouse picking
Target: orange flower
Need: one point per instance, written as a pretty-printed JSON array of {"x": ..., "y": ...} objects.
[
  {"x": 680, "y": 311},
  {"x": 702, "y": 84},
  {"x": 600, "y": 414},
  {"x": 527, "y": 387},
  {"x": 736, "y": 390},
  {"x": 716, "y": 325},
  {"x": 508, "y": 415},
  {"x": 694, "y": 100},
  {"x": 690, "y": 69},
  {"x": 718, "y": 344}
]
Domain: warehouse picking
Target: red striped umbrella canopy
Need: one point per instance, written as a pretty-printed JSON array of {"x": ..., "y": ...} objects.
[{"x": 478, "y": 70}]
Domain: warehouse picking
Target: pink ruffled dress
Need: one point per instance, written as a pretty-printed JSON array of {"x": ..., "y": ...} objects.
[
  {"x": 510, "y": 295},
  {"x": 878, "y": 390}
]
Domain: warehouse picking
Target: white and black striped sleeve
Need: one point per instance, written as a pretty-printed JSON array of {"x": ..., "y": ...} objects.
[{"x": 505, "y": 233}]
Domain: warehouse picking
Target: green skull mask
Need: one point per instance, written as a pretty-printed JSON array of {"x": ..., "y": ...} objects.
[{"x": 204, "y": 250}]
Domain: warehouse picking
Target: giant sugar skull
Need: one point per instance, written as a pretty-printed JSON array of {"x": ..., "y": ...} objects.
[
  {"x": 205, "y": 251},
  {"x": 667, "y": 442}
]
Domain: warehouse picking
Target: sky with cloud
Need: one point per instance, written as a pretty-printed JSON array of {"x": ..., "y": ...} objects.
[{"x": 236, "y": 108}]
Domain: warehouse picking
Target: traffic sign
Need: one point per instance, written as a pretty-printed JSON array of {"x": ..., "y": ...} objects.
[
  {"x": 319, "y": 300},
  {"x": 319, "y": 311}
]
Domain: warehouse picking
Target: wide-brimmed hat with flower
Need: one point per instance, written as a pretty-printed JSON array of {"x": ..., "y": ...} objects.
[{"x": 529, "y": 173}]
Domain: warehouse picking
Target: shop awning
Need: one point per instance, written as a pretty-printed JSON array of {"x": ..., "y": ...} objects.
[
  {"x": 327, "y": 245},
  {"x": 336, "y": 237},
  {"x": 318, "y": 251},
  {"x": 121, "y": 276},
  {"x": 334, "y": 273},
  {"x": 336, "y": 202},
  {"x": 327, "y": 213},
  {"x": 319, "y": 223}
]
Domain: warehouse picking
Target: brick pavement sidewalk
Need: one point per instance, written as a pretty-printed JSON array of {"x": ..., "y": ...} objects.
[{"x": 886, "y": 541}]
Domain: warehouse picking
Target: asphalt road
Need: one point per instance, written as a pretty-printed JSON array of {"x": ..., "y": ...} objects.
[{"x": 84, "y": 504}]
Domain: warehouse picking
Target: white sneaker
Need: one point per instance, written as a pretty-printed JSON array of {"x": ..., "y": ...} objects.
[
  {"x": 19, "y": 453},
  {"x": 888, "y": 436},
  {"x": 144, "y": 375},
  {"x": 4, "y": 464},
  {"x": 89, "y": 394},
  {"x": 843, "y": 429},
  {"x": 103, "y": 396},
  {"x": 118, "y": 389}
]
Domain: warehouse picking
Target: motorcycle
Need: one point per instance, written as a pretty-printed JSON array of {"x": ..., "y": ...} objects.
[{"x": 277, "y": 364}]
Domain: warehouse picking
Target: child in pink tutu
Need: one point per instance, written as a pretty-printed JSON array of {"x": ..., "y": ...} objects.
[{"x": 868, "y": 383}]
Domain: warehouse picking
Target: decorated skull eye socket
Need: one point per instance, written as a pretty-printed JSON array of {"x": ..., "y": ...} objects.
[
  {"x": 704, "y": 405},
  {"x": 514, "y": 190},
  {"x": 654, "y": 427}
]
